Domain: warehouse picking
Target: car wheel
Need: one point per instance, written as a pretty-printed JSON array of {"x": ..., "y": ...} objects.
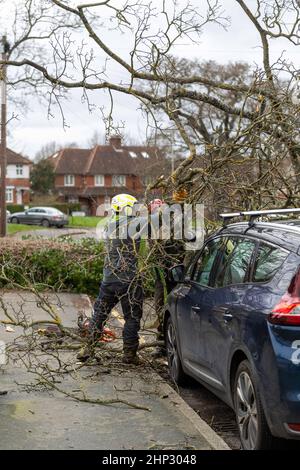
[
  {"x": 174, "y": 362},
  {"x": 251, "y": 421},
  {"x": 14, "y": 220},
  {"x": 45, "y": 223}
]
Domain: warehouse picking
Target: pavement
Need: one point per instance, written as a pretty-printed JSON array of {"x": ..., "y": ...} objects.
[{"x": 147, "y": 412}]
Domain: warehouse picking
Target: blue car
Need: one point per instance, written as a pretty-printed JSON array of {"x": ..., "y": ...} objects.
[{"x": 233, "y": 323}]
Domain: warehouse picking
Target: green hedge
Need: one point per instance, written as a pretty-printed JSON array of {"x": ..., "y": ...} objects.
[
  {"x": 63, "y": 266},
  {"x": 67, "y": 265},
  {"x": 14, "y": 208}
]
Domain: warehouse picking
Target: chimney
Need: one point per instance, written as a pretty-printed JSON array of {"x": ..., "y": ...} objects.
[{"x": 116, "y": 141}]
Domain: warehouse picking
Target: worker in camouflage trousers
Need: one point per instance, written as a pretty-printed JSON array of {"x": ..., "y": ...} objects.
[{"x": 120, "y": 280}]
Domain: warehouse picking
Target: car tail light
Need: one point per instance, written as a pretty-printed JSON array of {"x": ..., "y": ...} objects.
[
  {"x": 294, "y": 426},
  {"x": 287, "y": 311}
]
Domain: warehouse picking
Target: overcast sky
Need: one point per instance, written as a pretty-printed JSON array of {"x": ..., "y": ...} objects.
[{"x": 239, "y": 43}]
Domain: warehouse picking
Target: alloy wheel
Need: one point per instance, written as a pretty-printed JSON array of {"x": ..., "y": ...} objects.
[
  {"x": 246, "y": 410},
  {"x": 172, "y": 352}
]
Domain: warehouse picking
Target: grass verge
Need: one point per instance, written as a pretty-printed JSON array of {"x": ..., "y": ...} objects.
[
  {"x": 15, "y": 228},
  {"x": 90, "y": 222}
]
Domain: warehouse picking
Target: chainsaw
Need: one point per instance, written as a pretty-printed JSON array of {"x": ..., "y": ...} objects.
[{"x": 84, "y": 323}]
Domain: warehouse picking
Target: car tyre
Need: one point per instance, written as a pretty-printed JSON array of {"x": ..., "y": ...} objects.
[
  {"x": 174, "y": 362},
  {"x": 14, "y": 220},
  {"x": 45, "y": 223},
  {"x": 252, "y": 425}
]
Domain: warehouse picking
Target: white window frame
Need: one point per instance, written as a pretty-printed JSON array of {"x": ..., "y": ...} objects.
[
  {"x": 19, "y": 169},
  {"x": 119, "y": 181},
  {"x": 9, "y": 195},
  {"x": 99, "y": 180},
  {"x": 69, "y": 180}
]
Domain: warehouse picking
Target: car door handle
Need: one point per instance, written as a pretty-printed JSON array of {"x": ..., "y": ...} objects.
[
  {"x": 196, "y": 308},
  {"x": 227, "y": 316}
]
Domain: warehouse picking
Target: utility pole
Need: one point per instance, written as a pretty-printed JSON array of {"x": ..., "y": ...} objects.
[{"x": 4, "y": 51}]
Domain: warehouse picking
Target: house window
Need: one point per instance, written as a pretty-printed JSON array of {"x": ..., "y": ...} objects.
[
  {"x": 119, "y": 180},
  {"x": 9, "y": 195},
  {"x": 99, "y": 180},
  {"x": 19, "y": 169},
  {"x": 69, "y": 180}
]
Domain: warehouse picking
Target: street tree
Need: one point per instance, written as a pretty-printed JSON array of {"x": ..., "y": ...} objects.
[
  {"x": 42, "y": 177},
  {"x": 254, "y": 118}
]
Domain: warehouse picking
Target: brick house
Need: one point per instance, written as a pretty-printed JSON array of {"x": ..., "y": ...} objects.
[
  {"x": 93, "y": 176},
  {"x": 17, "y": 178}
]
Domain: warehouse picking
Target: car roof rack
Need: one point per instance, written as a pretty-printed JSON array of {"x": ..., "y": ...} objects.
[{"x": 253, "y": 215}]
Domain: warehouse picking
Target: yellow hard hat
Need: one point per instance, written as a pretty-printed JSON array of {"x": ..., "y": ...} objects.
[{"x": 121, "y": 201}]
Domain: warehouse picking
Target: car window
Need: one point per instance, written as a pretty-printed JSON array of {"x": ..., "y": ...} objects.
[
  {"x": 234, "y": 263},
  {"x": 228, "y": 248},
  {"x": 54, "y": 212},
  {"x": 268, "y": 261},
  {"x": 189, "y": 270},
  {"x": 32, "y": 211},
  {"x": 205, "y": 262}
]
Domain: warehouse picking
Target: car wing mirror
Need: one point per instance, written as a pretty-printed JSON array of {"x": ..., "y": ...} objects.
[{"x": 176, "y": 274}]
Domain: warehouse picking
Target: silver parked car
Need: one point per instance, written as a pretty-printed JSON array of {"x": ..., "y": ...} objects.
[{"x": 45, "y": 216}]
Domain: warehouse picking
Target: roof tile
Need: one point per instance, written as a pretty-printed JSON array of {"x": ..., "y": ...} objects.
[
  {"x": 71, "y": 161},
  {"x": 15, "y": 158},
  {"x": 104, "y": 160}
]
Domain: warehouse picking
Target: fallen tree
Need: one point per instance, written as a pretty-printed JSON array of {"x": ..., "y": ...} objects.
[{"x": 260, "y": 118}]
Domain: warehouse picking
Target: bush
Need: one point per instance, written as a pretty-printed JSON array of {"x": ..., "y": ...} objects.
[
  {"x": 12, "y": 208},
  {"x": 68, "y": 266}
]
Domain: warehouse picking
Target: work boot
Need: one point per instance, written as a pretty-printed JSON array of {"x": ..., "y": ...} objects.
[{"x": 130, "y": 355}]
